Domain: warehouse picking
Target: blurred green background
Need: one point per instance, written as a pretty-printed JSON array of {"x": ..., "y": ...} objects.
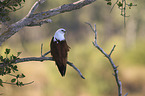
[{"x": 129, "y": 53}]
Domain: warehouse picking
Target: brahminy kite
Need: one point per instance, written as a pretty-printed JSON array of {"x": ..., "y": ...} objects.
[{"x": 59, "y": 50}]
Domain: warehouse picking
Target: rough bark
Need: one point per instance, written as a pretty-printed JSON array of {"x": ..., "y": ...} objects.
[{"x": 38, "y": 19}]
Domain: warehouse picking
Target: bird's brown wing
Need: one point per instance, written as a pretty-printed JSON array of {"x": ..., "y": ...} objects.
[{"x": 59, "y": 51}]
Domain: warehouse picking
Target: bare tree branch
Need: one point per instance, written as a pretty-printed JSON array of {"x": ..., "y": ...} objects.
[
  {"x": 44, "y": 53},
  {"x": 46, "y": 59},
  {"x": 30, "y": 19},
  {"x": 110, "y": 60},
  {"x": 39, "y": 23},
  {"x": 41, "y": 59},
  {"x": 34, "y": 7}
]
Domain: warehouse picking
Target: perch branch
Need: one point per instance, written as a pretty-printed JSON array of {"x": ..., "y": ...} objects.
[
  {"x": 41, "y": 59},
  {"x": 110, "y": 60},
  {"x": 30, "y": 19},
  {"x": 46, "y": 59}
]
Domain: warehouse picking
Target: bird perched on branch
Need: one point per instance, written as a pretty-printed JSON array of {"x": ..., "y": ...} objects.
[{"x": 59, "y": 50}]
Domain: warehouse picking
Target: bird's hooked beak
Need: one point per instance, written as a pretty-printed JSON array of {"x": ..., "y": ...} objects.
[{"x": 64, "y": 31}]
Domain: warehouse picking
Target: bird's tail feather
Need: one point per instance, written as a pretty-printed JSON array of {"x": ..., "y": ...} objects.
[{"x": 62, "y": 69}]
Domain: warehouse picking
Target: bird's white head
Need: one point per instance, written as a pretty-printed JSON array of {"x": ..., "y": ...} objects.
[{"x": 59, "y": 34}]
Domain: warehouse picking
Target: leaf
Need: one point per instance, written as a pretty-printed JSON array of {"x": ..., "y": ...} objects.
[
  {"x": 14, "y": 9},
  {"x": 1, "y": 57},
  {"x": 13, "y": 80},
  {"x": 130, "y": 4},
  {"x": 21, "y": 84},
  {"x": 120, "y": 4},
  {"x": 23, "y": 75},
  {"x": 109, "y": 3},
  {"x": 23, "y": 0},
  {"x": 18, "y": 53},
  {"x": 1, "y": 83},
  {"x": 7, "y": 51},
  {"x": 6, "y": 60},
  {"x": 17, "y": 76},
  {"x": 8, "y": 70},
  {"x": 15, "y": 68},
  {"x": 15, "y": 5},
  {"x": 10, "y": 7},
  {"x": 14, "y": 57},
  {"x": 17, "y": 83},
  {"x": 19, "y": 3}
]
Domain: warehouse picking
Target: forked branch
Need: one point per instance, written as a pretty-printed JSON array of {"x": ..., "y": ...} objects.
[
  {"x": 46, "y": 59},
  {"x": 41, "y": 59},
  {"x": 108, "y": 56}
]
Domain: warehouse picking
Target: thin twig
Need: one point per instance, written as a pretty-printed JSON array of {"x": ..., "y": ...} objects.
[
  {"x": 112, "y": 50},
  {"x": 110, "y": 60},
  {"x": 90, "y": 26},
  {"x": 41, "y": 49},
  {"x": 15, "y": 76},
  {"x": 46, "y": 53},
  {"x": 35, "y": 6},
  {"x": 15, "y": 84},
  {"x": 95, "y": 34},
  {"x": 114, "y": 5}
]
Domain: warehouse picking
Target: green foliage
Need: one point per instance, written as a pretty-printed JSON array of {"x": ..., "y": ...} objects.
[
  {"x": 122, "y": 4},
  {"x": 16, "y": 79},
  {"x": 7, "y": 6},
  {"x": 1, "y": 82},
  {"x": 7, "y": 51},
  {"x": 109, "y": 2},
  {"x": 7, "y": 67},
  {"x": 13, "y": 80},
  {"x": 7, "y": 63}
]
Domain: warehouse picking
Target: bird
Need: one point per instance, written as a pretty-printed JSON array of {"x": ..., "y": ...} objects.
[{"x": 59, "y": 50}]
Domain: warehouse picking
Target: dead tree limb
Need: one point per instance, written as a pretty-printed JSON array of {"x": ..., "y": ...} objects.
[
  {"x": 46, "y": 59},
  {"x": 38, "y": 19},
  {"x": 108, "y": 56}
]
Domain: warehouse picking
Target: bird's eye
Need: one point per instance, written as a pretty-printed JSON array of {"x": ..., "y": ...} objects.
[{"x": 63, "y": 30}]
